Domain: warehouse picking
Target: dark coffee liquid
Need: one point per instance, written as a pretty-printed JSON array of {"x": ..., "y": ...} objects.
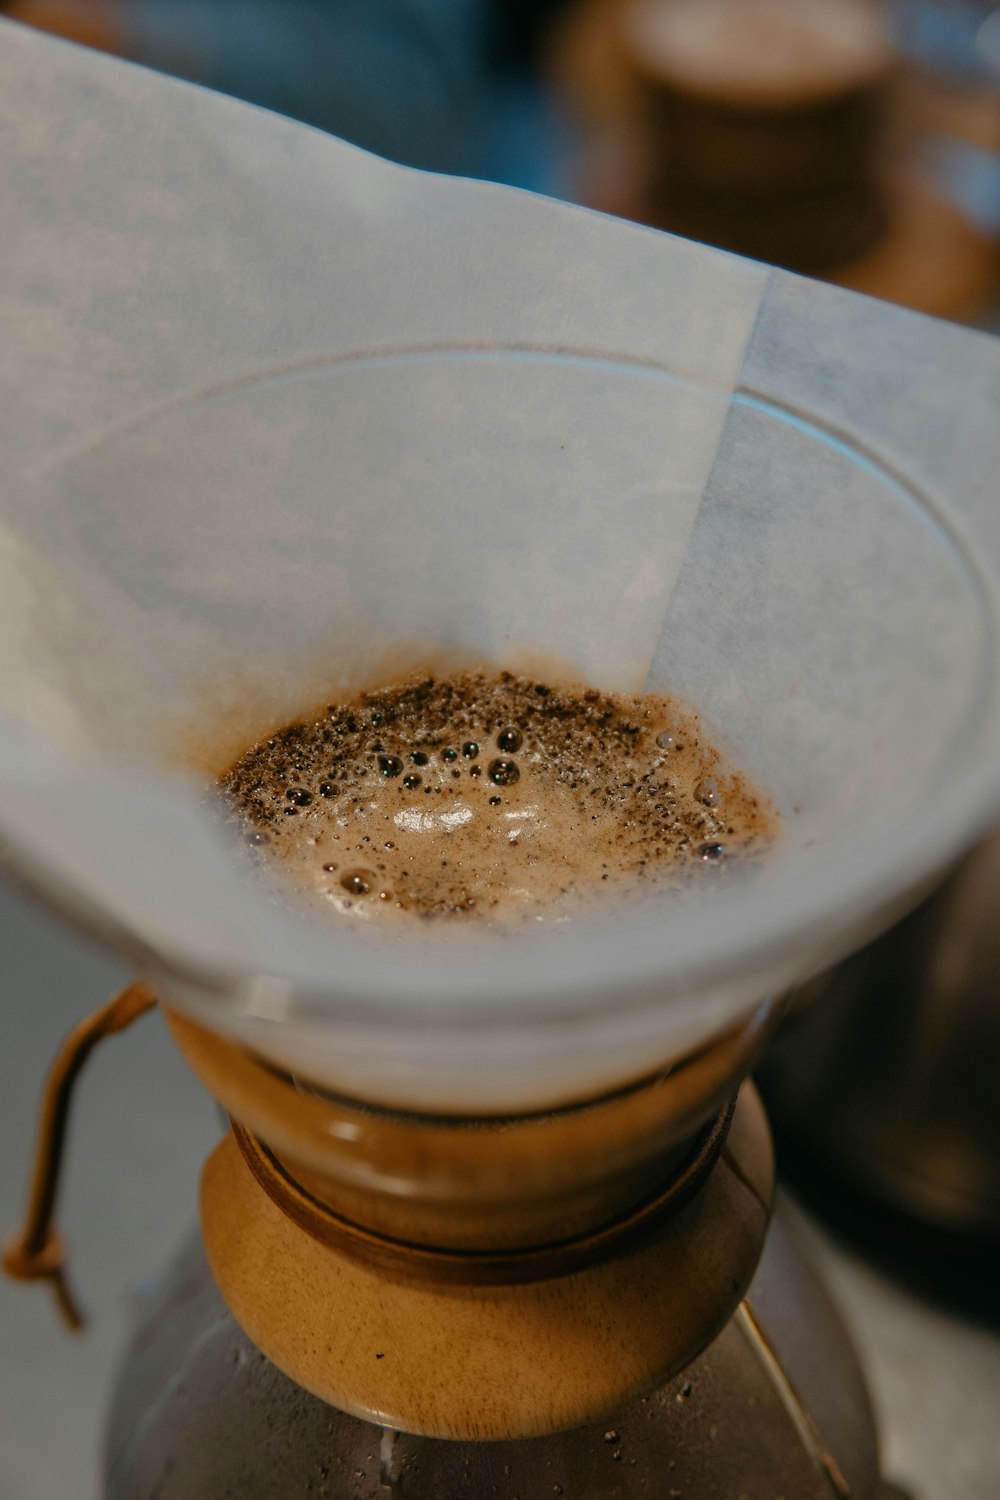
[{"x": 490, "y": 798}]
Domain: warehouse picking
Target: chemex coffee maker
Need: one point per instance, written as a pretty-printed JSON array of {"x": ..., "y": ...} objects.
[{"x": 487, "y": 1222}]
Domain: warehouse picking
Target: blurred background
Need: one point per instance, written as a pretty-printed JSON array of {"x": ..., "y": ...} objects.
[
  {"x": 857, "y": 140},
  {"x": 851, "y": 140}
]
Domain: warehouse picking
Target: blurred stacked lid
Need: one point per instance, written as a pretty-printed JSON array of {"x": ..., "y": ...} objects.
[
  {"x": 768, "y": 116},
  {"x": 792, "y": 131}
]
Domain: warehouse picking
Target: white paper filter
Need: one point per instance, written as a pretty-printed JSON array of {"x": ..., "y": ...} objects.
[{"x": 276, "y": 412}]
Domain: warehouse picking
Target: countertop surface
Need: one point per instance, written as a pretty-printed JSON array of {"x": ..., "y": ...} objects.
[{"x": 140, "y": 1130}]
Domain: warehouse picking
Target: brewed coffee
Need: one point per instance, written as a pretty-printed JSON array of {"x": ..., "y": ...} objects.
[{"x": 492, "y": 798}]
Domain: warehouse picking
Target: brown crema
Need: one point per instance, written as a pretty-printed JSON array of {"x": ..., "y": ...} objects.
[{"x": 491, "y": 799}]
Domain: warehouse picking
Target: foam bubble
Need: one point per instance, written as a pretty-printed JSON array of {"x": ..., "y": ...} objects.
[{"x": 504, "y": 772}]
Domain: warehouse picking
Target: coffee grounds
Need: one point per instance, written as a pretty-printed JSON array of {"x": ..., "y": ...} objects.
[{"x": 491, "y": 798}]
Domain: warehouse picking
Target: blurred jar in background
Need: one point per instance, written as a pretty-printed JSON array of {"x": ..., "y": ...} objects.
[
  {"x": 770, "y": 123},
  {"x": 780, "y": 129}
]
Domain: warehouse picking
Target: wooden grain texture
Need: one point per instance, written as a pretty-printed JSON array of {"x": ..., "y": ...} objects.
[{"x": 484, "y": 1363}]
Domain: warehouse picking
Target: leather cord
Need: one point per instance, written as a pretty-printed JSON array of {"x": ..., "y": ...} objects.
[{"x": 37, "y": 1252}]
